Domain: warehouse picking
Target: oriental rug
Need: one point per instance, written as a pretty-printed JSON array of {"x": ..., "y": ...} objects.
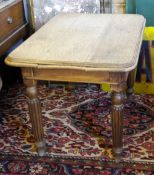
[{"x": 77, "y": 126}]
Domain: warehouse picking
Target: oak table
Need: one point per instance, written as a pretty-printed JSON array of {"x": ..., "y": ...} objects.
[{"x": 91, "y": 48}]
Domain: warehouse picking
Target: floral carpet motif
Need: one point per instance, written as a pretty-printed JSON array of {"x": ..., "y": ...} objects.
[
  {"x": 43, "y": 166},
  {"x": 77, "y": 125}
]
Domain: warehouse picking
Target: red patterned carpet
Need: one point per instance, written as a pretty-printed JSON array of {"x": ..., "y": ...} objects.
[{"x": 77, "y": 126}]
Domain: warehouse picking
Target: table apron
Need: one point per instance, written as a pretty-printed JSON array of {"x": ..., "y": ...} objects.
[{"x": 73, "y": 75}]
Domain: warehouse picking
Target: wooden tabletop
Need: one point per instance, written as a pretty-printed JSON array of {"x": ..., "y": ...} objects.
[{"x": 107, "y": 42}]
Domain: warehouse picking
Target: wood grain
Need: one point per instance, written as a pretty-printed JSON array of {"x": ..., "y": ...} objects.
[
  {"x": 35, "y": 116},
  {"x": 71, "y": 75},
  {"x": 84, "y": 41},
  {"x": 16, "y": 13},
  {"x": 13, "y": 31}
]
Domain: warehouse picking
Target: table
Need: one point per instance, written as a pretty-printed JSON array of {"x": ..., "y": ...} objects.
[{"x": 91, "y": 48}]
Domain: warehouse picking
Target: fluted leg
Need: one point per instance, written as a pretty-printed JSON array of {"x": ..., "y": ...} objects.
[
  {"x": 117, "y": 119},
  {"x": 36, "y": 118},
  {"x": 130, "y": 83}
]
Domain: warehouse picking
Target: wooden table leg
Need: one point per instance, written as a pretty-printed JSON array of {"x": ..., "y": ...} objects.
[
  {"x": 130, "y": 83},
  {"x": 35, "y": 115},
  {"x": 117, "y": 121}
]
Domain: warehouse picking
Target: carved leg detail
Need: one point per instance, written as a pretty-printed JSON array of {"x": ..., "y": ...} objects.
[
  {"x": 36, "y": 118},
  {"x": 117, "y": 123},
  {"x": 130, "y": 83}
]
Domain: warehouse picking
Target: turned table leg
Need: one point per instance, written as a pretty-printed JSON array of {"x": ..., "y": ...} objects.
[
  {"x": 35, "y": 115},
  {"x": 130, "y": 83},
  {"x": 117, "y": 122}
]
